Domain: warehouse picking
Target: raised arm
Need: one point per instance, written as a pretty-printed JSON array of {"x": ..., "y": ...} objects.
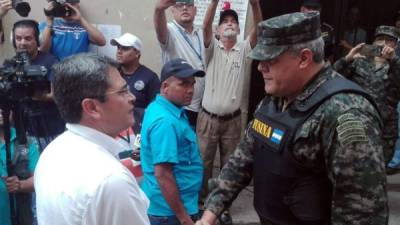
[
  {"x": 160, "y": 19},
  {"x": 45, "y": 36},
  {"x": 257, "y": 17},
  {"x": 95, "y": 36},
  {"x": 5, "y": 5},
  {"x": 208, "y": 21}
]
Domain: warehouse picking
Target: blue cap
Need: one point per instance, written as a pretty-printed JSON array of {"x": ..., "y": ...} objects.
[{"x": 179, "y": 68}]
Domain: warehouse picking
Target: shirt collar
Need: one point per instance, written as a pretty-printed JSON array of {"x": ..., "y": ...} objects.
[
  {"x": 165, "y": 103},
  {"x": 106, "y": 142},
  {"x": 236, "y": 47},
  {"x": 321, "y": 77},
  {"x": 194, "y": 31}
]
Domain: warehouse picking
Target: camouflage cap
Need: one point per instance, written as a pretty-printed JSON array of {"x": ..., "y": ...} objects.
[
  {"x": 387, "y": 30},
  {"x": 276, "y": 34}
]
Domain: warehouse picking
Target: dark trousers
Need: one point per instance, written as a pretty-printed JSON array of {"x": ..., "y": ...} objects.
[{"x": 169, "y": 220}]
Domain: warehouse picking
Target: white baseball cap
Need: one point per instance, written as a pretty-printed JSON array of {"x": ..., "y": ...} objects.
[{"x": 128, "y": 40}]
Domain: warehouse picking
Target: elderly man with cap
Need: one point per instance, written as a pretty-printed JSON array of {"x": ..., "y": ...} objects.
[
  {"x": 376, "y": 68},
  {"x": 170, "y": 156},
  {"x": 143, "y": 82},
  {"x": 314, "y": 147},
  {"x": 219, "y": 121}
]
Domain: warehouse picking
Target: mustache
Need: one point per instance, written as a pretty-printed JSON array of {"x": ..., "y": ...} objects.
[{"x": 229, "y": 33}]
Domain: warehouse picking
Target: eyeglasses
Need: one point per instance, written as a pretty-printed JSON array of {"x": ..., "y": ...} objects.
[
  {"x": 124, "y": 91},
  {"x": 180, "y": 5}
]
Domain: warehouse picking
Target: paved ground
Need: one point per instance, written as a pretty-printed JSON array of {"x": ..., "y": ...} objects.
[
  {"x": 394, "y": 199},
  {"x": 243, "y": 211}
]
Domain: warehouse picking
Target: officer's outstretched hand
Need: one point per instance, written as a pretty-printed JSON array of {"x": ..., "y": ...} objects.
[
  {"x": 208, "y": 218},
  {"x": 354, "y": 53}
]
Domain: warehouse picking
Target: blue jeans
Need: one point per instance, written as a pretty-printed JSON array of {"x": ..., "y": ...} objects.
[
  {"x": 169, "y": 220},
  {"x": 395, "y": 162}
]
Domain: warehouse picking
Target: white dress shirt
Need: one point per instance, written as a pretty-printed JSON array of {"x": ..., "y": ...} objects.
[{"x": 79, "y": 180}]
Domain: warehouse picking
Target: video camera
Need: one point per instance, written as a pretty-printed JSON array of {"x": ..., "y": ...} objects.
[
  {"x": 22, "y": 8},
  {"x": 19, "y": 79},
  {"x": 60, "y": 9}
]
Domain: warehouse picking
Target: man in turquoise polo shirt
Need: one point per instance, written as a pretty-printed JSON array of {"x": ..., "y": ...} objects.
[{"x": 170, "y": 156}]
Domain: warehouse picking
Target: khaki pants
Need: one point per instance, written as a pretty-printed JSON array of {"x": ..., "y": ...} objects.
[{"x": 215, "y": 133}]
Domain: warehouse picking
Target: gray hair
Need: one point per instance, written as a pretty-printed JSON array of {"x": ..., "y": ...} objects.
[
  {"x": 316, "y": 46},
  {"x": 78, "y": 77}
]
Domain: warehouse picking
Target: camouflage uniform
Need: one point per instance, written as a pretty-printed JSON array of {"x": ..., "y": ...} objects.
[
  {"x": 381, "y": 82},
  {"x": 340, "y": 140}
]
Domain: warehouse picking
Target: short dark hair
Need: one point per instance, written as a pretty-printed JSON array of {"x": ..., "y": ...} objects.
[
  {"x": 26, "y": 24},
  {"x": 78, "y": 77},
  {"x": 312, "y": 4}
]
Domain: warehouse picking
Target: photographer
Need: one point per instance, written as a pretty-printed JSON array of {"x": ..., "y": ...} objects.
[
  {"x": 42, "y": 118},
  {"x": 19, "y": 185},
  {"x": 376, "y": 68},
  {"x": 5, "y": 5},
  {"x": 70, "y": 34}
]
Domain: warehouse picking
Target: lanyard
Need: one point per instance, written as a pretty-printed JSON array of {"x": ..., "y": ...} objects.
[
  {"x": 127, "y": 139},
  {"x": 189, "y": 41}
]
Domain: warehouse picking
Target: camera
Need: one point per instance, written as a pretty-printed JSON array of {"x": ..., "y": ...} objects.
[
  {"x": 22, "y": 8},
  {"x": 20, "y": 80},
  {"x": 60, "y": 9},
  {"x": 371, "y": 50}
]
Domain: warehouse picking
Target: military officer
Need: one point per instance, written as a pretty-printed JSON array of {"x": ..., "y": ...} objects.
[
  {"x": 314, "y": 147},
  {"x": 376, "y": 68}
]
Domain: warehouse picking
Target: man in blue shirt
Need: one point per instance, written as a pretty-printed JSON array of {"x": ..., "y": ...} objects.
[
  {"x": 142, "y": 81},
  {"x": 42, "y": 119},
  {"x": 170, "y": 156},
  {"x": 68, "y": 35}
]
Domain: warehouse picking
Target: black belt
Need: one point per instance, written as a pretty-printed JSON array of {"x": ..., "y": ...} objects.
[{"x": 227, "y": 116}]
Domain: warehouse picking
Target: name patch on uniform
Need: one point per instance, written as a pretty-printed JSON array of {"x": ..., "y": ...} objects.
[{"x": 267, "y": 131}]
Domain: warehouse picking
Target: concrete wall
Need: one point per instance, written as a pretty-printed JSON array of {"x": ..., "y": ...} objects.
[{"x": 134, "y": 16}]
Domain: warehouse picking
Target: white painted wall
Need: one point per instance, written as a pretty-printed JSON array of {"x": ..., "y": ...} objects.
[{"x": 134, "y": 16}]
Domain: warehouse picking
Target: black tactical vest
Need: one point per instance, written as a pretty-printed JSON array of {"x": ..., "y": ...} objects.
[{"x": 286, "y": 192}]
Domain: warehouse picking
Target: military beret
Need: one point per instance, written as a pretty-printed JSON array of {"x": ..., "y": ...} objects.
[{"x": 276, "y": 34}]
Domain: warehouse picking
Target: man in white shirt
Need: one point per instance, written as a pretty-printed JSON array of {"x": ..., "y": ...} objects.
[
  {"x": 79, "y": 179},
  {"x": 180, "y": 39}
]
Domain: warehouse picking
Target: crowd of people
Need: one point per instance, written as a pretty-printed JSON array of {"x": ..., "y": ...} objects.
[{"x": 318, "y": 148}]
